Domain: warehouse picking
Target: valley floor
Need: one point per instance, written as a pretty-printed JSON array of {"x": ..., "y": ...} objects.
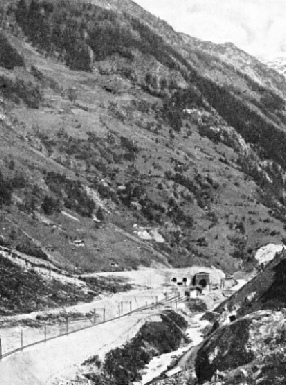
[{"x": 58, "y": 360}]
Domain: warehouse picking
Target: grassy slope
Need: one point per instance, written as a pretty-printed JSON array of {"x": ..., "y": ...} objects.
[
  {"x": 82, "y": 138},
  {"x": 26, "y": 291},
  {"x": 235, "y": 197}
]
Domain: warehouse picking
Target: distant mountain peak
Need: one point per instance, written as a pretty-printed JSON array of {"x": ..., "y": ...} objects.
[{"x": 278, "y": 63}]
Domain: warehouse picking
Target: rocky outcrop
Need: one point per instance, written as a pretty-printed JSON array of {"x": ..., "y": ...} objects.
[
  {"x": 250, "y": 350},
  {"x": 224, "y": 350}
]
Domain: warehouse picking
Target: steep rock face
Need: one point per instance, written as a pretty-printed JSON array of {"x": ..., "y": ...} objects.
[
  {"x": 224, "y": 350},
  {"x": 250, "y": 350},
  {"x": 265, "y": 291}
]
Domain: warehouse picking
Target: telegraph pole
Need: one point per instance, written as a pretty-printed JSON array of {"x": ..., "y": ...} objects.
[{"x": 22, "y": 339}]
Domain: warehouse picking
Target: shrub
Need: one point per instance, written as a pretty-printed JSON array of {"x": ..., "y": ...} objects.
[
  {"x": 29, "y": 248},
  {"x": 19, "y": 180},
  {"x": 71, "y": 192},
  {"x": 122, "y": 364},
  {"x": 5, "y": 191},
  {"x": 18, "y": 89},
  {"x": 50, "y": 205},
  {"x": 9, "y": 56},
  {"x": 100, "y": 214}
]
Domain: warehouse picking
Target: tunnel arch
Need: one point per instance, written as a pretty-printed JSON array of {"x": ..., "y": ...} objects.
[{"x": 201, "y": 279}]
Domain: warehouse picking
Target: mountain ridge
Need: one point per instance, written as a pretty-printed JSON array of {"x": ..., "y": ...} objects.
[{"x": 278, "y": 63}]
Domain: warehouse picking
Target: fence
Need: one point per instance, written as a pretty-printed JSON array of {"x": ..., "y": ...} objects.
[{"x": 68, "y": 326}]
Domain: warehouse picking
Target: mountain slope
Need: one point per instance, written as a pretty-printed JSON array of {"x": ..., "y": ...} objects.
[
  {"x": 241, "y": 61},
  {"x": 277, "y": 63},
  {"x": 250, "y": 348},
  {"x": 106, "y": 125}
]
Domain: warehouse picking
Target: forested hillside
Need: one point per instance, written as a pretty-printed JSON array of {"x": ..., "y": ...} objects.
[{"x": 115, "y": 128}]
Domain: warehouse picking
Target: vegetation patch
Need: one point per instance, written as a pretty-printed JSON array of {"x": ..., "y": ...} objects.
[
  {"x": 121, "y": 365},
  {"x": 26, "y": 291},
  {"x": 9, "y": 56},
  {"x": 70, "y": 191},
  {"x": 16, "y": 89}
]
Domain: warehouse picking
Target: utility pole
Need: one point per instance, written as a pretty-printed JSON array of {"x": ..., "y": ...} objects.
[
  {"x": 104, "y": 314},
  {"x": 45, "y": 332},
  {"x": 74, "y": 282},
  {"x": 94, "y": 316},
  {"x": 22, "y": 339},
  {"x": 67, "y": 325},
  {"x": 0, "y": 349}
]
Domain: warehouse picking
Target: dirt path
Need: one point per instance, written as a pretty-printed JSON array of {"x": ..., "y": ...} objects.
[
  {"x": 59, "y": 359},
  {"x": 114, "y": 306}
]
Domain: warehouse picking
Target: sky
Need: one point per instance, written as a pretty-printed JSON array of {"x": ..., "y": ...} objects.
[{"x": 256, "y": 26}]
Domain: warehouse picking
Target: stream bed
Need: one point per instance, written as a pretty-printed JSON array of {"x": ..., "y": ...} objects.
[{"x": 160, "y": 364}]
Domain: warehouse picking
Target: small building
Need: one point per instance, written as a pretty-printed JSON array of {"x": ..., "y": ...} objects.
[
  {"x": 114, "y": 264},
  {"x": 79, "y": 243}
]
